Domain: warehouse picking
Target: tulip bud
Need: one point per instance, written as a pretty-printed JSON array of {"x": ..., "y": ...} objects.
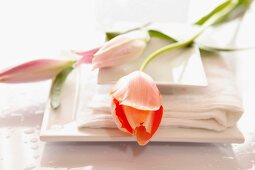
[
  {"x": 137, "y": 106},
  {"x": 36, "y": 70},
  {"x": 121, "y": 49},
  {"x": 87, "y": 56}
]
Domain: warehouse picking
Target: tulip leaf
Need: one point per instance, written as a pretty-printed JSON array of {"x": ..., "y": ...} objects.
[
  {"x": 159, "y": 34},
  {"x": 219, "y": 8},
  {"x": 56, "y": 88},
  {"x": 111, "y": 35},
  {"x": 239, "y": 9},
  {"x": 223, "y": 49}
]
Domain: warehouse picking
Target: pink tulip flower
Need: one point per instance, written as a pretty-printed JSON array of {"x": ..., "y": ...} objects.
[
  {"x": 32, "y": 71},
  {"x": 120, "y": 49},
  {"x": 137, "y": 106},
  {"x": 87, "y": 56}
]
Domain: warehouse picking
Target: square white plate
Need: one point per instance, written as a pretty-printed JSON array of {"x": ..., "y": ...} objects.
[
  {"x": 181, "y": 67},
  {"x": 60, "y": 125}
]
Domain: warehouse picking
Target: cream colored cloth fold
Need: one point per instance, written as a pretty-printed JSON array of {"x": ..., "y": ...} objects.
[{"x": 215, "y": 107}]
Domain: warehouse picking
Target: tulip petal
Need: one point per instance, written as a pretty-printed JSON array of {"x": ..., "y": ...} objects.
[
  {"x": 137, "y": 90},
  {"x": 144, "y": 122},
  {"x": 123, "y": 39},
  {"x": 121, "y": 49},
  {"x": 87, "y": 56},
  {"x": 140, "y": 123},
  {"x": 137, "y": 117},
  {"x": 157, "y": 119},
  {"x": 32, "y": 71},
  {"x": 142, "y": 136},
  {"x": 114, "y": 43},
  {"x": 137, "y": 106},
  {"x": 120, "y": 118},
  {"x": 119, "y": 55}
]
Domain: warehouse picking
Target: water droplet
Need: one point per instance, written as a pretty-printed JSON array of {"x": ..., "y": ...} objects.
[
  {"x": 30, "y": 167},
  {"x": 33, "y": 140},
  {"x": 29, "y": 131},
  {"x": 34, "y": 146}
]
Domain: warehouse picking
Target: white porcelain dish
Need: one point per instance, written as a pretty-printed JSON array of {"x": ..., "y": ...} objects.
[{"x": 60, "y": 125}]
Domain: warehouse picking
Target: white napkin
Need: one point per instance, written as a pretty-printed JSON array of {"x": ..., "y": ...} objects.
[{"x": 215, "y": 107}]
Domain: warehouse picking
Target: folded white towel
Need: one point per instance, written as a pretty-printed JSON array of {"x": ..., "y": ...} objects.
[{"x": 215, "y": 107}]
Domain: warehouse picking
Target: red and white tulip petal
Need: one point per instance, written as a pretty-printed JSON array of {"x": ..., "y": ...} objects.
[
  {"x": 120, "y": 118},
  {"x": 137, "y": 90},
  {"x": 137, "y": 106},
  {"x": 141, "y": 123},
  {"x": 138, "y": 118},
  {"x": 142, "y": 136}
]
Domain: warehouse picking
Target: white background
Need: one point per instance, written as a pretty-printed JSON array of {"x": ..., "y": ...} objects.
[{"x": 34, "y": 29}]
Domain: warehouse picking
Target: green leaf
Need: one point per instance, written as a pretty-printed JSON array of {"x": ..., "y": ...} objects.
[
  {"x": 223, "y": 49},
  {"x": 159, "y": 34},
  {"x": 219, "y": 8},
  {"x": 238, "y": 11},
  {"x": 111, "y": 35},
  {"x": 56, "y": 87}
]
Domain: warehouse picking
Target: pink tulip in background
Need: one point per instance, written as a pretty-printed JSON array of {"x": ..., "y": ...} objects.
[
  {"x": 120, "y": 49},
  {"x": 87, "y": 56},
  {"x": 137, "y": 106},
  {"x": 117, "y": 51},
  {"x": 37, "y": 70}
]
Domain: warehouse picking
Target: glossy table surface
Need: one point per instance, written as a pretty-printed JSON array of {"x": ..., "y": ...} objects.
[{"x": 31, "y": 30}]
